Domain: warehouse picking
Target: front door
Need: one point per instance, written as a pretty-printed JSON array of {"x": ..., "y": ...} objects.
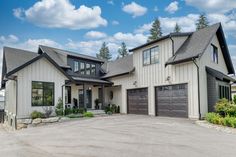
[{"x": 88, "y": 98}]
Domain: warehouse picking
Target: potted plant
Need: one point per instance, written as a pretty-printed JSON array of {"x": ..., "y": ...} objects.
[{"x": 97, "y": 101}]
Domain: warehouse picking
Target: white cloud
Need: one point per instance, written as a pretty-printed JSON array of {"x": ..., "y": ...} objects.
[
  {"x": 220, "y": 6},
  {"x": 95, "y": 35},
  {"x": 91, "y": 47},
  {"x": 62, "y": 14},
  {"x": 145, "y": 28},
  {"x": 114, "y": 22},
  {"x": 134, "y": 9},
  {"x": 9, "y": 39},
  {"x": 155, "y": 8},
  {"x": 172, "y": 7},
  {"x": 111, "y": 2},
  {"x": 18, "y": 12}
]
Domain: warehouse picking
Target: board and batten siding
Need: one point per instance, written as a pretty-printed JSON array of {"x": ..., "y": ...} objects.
[
  {"x": 10, "y": 97},
  {"x": 206, "y": 60},
  {"x": 156, "y": 75},
  {"x": 40, "y": 70}
]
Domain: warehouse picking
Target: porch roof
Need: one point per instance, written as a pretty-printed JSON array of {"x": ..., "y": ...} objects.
[
  {"x": 219, "y": 74},
  {"x": 91, "y": 80}
]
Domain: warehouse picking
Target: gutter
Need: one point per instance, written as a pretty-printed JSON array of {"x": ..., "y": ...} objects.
[{"x": 199, "y": 105}]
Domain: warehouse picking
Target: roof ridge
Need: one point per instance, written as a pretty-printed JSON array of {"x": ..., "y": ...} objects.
[{"x": 70, "y": 52}]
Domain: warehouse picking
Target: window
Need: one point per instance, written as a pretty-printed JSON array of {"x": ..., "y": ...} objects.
[
  {"x": 82, "y": 68},
  {"x": 154, "y": 55},
  {"x": 224, "y": 92},
  {"x": 146, "y": 57},
  {"x": 214, "y": 54},
  {"x": 151, "y": 56},
  {"x": 68, "y": 95},
  {"x": 76, "y": 66},
  {"x": 88, "y": 69},
  {"x": 42, "y": 93},
  {"x": 93, "y": 69}
]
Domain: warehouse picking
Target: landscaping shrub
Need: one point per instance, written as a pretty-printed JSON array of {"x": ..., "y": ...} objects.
[
  {"x": 82, "y": 110},
  {"x": 224, "y": 108},
  {"x": 213, "y": 118},
  {"x": 88, "y": 114},
  {"x": 68, "y": 111},
  {"x": 59, "y": 108},
  {"x": 112, "y": 109},
  {"x": 37, "y": 114}
]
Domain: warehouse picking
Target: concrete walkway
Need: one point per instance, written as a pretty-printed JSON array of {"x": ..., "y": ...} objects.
[{"x": 119, "y": 136}]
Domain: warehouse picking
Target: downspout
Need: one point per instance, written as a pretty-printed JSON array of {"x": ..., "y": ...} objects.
[
  {"x": 198, "y": 85},
  {"x": 173, "y": 45}
]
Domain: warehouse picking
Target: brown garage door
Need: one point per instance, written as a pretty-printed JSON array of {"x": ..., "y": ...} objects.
[
  {"x": 137, "y": 101},
  {"x": 172, "y": 100}
]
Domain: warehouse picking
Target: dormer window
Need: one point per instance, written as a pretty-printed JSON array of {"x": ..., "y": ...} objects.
[
  {"x": 151, "y": 56},
  {"x": 214, "y": 54},
  {"x": 76, "y": 66}
]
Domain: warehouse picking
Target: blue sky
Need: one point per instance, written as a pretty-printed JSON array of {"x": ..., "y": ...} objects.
[{"x": 82, "y": 25}]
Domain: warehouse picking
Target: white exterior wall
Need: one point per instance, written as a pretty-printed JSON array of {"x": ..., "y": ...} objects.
[
  {"x": 206, "y": 60},
  {"x": 41, "y": 70},
  {"x": 156, "y": 74}
]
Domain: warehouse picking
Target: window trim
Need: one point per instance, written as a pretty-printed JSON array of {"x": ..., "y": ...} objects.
[
  {"x": 53, "y": 100},
  {"x": 150, "y": 55}
]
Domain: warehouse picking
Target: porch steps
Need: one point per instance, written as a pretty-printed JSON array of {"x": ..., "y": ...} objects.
[{"x": 97, "y": 112}]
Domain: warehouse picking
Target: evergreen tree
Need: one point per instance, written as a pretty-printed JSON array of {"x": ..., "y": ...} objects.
[
  {"x": 122, "y": 52},
  {"x": 177, "y": 28},
  {"x": 202, "y": 22},
  {"x": 104, "y": 52},
  {"x": 155, "y": 31}
]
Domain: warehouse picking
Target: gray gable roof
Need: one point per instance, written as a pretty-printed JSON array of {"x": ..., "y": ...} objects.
[
  {"x": 60, "y": 55},
  {"x": 197, "y": 43},
  {"x": 16, "y": 57},
  {"x": 118, "y": 67}
]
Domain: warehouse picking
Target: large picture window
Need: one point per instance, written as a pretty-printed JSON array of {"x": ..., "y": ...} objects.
[
  {"x": 151, "y": 56},
  {"x": 42, "y": 93},
  {"x": 224, "y": 92}
]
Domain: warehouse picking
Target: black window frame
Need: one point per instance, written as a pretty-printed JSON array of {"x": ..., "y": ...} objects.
[
  {"x": 78, "y": 64},
  {"x": 82, "y": 71},
  {"x": 215, "y": 54},
  {"x": 147, "y": 55},
  {"x": 88, "y": 69},
  {"x": 44, "y": 89}
]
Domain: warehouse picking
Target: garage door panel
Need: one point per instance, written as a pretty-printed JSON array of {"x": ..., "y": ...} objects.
[
  {"x": 172, "y": 100},
  {"x": 137, "y": 101}
]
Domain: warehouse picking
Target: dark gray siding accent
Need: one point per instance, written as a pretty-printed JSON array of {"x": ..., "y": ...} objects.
[
  {"x": 71, "y": 60},
  {"x": 212, "y": 93}
]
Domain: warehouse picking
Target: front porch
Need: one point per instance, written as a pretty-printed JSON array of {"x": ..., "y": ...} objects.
[{"x": 85, "y": 93}]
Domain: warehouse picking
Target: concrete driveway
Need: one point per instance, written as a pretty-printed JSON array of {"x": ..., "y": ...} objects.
[{"x": 119, "y": 136}]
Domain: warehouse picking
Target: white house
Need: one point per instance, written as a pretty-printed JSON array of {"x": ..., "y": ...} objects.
[{"x": 177, "y": 75}]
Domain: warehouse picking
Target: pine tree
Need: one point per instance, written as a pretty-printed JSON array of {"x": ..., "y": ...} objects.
[
  {"x": 177, "y": 28},
  {"x": 202, "y": 22},
  {"x": 155, "y": 31},
  {"x": 104, "y": 52},
  {"x": 122, "y": 52}
]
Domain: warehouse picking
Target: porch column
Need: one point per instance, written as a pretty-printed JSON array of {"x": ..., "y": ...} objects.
[
  {"x": 84, "y": 95},
  {"x": 103, "y": 97}
]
